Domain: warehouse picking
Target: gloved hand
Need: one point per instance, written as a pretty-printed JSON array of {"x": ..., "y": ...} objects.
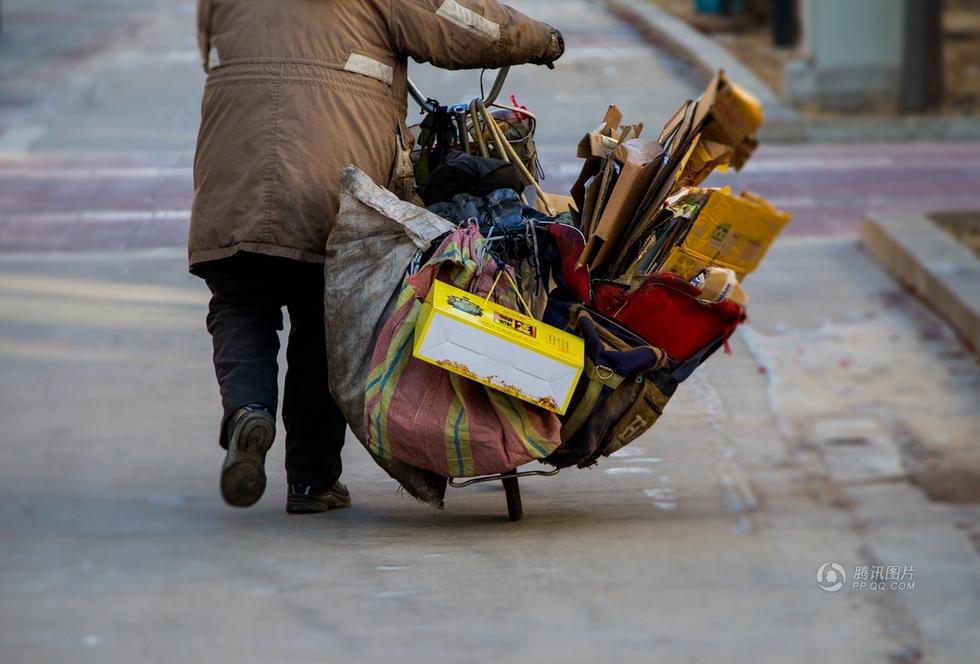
[{"x": 556, "y": 49}]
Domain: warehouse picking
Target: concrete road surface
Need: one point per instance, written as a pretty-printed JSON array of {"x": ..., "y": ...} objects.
[{"x": 804, "y": 450}]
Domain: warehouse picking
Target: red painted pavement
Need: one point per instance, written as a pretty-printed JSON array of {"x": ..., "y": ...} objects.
[{"x": 115, "y": 202}]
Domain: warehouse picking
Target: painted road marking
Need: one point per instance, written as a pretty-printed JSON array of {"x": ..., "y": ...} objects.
[
  {"x": 663, "y": 498},
  {"x": 629, "y": 471},
  {"x": 632, "y": 451},
  {"x": 39, "y": 172},
  {"x": 94, "y": 216}
]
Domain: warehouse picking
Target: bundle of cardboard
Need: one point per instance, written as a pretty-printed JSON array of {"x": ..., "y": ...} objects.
[{"x": 638, "y": 204}]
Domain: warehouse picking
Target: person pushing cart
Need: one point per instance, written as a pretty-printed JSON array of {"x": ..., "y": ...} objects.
[{"x": 295, "y": 91}]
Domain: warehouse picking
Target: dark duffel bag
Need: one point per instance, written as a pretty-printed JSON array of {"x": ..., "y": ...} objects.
[{"x": 624, "y": 388}]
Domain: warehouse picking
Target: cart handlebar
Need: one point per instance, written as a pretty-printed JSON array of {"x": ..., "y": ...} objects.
[{"x": 429, "y": 105}]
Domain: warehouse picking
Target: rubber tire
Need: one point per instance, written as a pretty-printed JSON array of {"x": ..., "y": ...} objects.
[{"x": 512, "y": 489}]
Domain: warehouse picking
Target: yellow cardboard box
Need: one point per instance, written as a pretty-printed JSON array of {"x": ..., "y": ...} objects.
[
  {"x": 732, "y": 232},
  {"x": 499, "y": 347}
]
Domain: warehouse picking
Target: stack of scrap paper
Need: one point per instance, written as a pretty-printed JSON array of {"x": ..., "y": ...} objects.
[{"x": 638, "y": 203}]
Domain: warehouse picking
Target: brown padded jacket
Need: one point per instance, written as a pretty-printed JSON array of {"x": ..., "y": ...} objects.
[{"x": 298, "y": 89}]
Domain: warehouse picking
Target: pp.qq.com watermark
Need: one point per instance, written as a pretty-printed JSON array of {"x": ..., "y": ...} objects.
[{"x": 832, "y": 577}]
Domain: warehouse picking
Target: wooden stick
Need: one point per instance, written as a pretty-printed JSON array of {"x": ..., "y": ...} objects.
[
  {"x": 516, "y": 160},
  {"x": 478, "y": 130}
]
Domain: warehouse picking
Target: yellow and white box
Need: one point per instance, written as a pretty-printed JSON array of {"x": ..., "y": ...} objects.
[{"x": 499, "y": 347}]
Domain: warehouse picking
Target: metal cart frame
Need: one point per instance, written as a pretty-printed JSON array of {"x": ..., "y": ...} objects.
[{"x": 512, "y": 488}]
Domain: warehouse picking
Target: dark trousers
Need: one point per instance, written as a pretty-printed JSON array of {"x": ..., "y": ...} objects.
[{"x": 249, "y": 292}]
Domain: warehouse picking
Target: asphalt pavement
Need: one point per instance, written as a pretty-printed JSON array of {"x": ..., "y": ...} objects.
[{"x": 800, "y": 450}]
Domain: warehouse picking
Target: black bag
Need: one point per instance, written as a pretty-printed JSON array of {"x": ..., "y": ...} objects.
[
  {"x": 624, "y": 387},
  {"x": 465, "y": 174}
]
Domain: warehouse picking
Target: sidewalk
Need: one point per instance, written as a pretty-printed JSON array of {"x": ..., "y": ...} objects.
[
  {"x": 99, "y": 76},
  {"x": 787, "y": 454}
]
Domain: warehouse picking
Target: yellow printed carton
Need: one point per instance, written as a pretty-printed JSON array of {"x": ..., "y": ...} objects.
[
  {"x": 499, "y": 347},
  {"x": 732, "y": 232}
]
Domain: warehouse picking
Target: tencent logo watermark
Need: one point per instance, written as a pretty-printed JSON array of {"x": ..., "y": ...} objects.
[{"x": 832, "y": 577}]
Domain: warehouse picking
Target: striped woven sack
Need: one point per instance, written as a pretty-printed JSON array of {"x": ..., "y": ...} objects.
[{"x": 427, "y": 417}]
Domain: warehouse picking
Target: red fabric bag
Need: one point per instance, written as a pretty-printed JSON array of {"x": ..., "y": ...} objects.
[{"x": 665, "y": 311}]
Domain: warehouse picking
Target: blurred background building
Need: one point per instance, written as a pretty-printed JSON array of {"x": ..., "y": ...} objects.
[{"x": 872, "y": 56}]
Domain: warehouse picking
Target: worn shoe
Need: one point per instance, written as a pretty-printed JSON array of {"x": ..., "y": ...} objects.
[
  {"x": 304, "y": 499},
  {"x": 253, "y": 428}
]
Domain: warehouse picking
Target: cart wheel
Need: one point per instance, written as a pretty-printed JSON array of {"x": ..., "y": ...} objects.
[{"x": 515, "y": 509}]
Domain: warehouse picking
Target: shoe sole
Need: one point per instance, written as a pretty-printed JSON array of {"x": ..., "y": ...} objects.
[
  {"x": 243, "y": 473},
  {"x": 317, "y": 505}
]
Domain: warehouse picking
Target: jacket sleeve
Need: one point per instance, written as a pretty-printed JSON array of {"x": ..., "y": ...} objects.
[
  {"x": 467, "y": 34},
  {"x": 204, "y": 32}
]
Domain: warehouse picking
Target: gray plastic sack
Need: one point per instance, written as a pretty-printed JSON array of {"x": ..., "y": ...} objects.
[{"x": 374, "y": 239}]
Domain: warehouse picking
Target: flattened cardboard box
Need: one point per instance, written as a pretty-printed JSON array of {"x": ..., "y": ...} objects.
[
  {"x": 640, "y": 159},
  {"x": 499, "y": 347}
]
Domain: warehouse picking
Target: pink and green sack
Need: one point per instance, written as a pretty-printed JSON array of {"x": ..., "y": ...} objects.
[{"x": 427, "y": 417}]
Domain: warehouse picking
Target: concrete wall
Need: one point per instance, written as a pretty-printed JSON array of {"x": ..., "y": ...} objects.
[
  {"x": 854, "y": 58},
  {"x": 856, "y": 33}
]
